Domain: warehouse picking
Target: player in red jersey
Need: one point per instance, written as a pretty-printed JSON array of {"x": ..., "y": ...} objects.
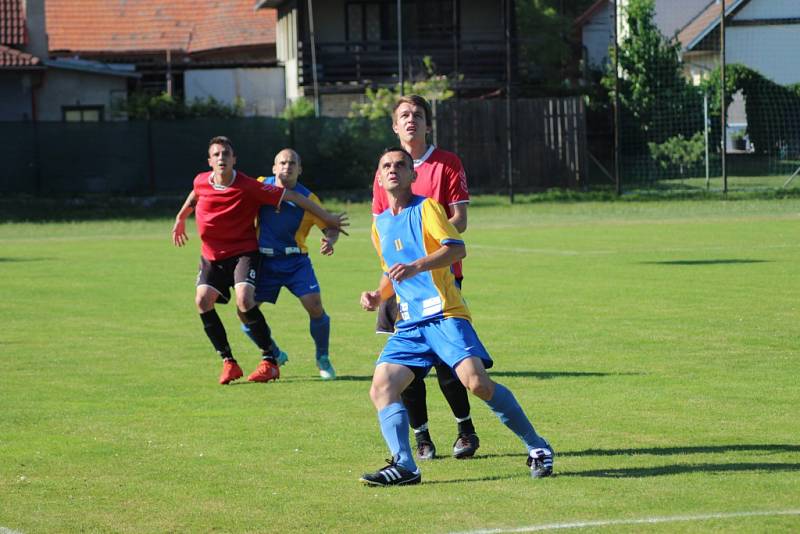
[
  {"x": 226, "y": 203},
  {"x": 440, "y": 176}
]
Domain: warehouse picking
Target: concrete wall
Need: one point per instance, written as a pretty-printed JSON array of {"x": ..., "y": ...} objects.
[
  {"x": 262, "y": 89},
  {"x": 70, "y": 88}
]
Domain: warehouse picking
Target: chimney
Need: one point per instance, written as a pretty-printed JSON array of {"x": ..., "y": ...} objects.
[{"x": 36, "y": 30}]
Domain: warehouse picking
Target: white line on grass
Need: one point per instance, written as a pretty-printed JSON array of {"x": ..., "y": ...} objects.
[
  {"x": 646, "y": 520},
  {"x": 4, "y": 530},
  {"x": 561, "y": 252}
]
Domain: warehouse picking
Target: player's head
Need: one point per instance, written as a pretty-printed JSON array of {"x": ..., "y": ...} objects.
[
  {"x": 411, "y": 118},
  {"x": 287, "y": 167},
  {"x": 220, "y": 155},
  {"x": 396, "y": 170}
]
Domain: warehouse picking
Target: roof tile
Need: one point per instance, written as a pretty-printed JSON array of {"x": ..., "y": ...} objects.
[
  {"x": 10, "y": 58},
  {"x": 12, "y": 22},
  {"x": 156, "y": 25}
]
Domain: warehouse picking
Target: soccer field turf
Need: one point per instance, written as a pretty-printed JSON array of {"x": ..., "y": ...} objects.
[{"x": 655, "y": 344}]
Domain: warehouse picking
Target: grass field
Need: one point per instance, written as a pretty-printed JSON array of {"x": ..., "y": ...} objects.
[{"x": 655, "y": 344}]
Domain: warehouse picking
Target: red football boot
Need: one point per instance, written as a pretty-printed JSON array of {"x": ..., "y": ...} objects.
[
  {"x": 230, "y": 372},
  {"x": 265, "y": 372}
]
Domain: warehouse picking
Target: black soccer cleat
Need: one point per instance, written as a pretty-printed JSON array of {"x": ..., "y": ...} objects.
[
  {"x": 391, "y": 475},
  {"x": 426, "y": 450},
  {"x": 465, "y": 446},
  {"x": 540, "y": 461}
]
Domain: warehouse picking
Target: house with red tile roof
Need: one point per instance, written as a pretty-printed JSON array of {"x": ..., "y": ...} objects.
[
  {"x": 224, "y": 49},
  {"x": 35, "y": 87},
  {"x": 761, "y": 34}
]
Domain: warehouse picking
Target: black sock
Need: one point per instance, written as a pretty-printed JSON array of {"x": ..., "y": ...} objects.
[
  {"x": 454, "y": 391},
  {"x": 259, "y": 330},
  {"x": 414, "y": 399},
  {"x": 423, "y": 436},
  {"x": 466, "y": 427},
  {"x": 216, "y": 333}
]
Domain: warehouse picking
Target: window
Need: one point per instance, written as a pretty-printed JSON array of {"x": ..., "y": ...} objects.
[
  {"x": 370, "y": 21},
  {"x": 82, "y": 113},
  {"x": 375, "y": 20}
]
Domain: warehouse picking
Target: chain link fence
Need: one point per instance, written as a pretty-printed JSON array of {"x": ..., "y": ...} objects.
[{"x": 670, "y": 94}]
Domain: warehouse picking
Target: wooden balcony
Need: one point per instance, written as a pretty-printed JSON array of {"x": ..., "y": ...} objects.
[{"x": 481, "y": 63}]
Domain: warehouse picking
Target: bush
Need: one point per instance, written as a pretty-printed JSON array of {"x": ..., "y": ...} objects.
[{"x": 144, "y": 106}]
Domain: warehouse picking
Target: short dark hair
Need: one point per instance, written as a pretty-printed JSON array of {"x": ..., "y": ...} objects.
[
  {"x": 415, "y": 100},
  {"x": 221, "y": 140},
  {"x": 398, "y": 149}
]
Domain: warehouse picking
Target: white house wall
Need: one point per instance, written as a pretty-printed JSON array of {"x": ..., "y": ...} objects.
[
  {"x": 261, "y": 89},
  {"x": 770, "y": 9},
  {"x": 771, "y": 50},
  {"x": 598, "y": 36}
]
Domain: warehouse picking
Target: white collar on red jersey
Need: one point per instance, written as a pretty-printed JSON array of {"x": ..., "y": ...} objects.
[
  {"x": 425, "y": 156},
  {"x": 218, "y": 186}
]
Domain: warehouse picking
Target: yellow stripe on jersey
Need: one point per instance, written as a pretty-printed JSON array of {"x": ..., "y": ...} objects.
[
  {"x": 436, "y": 228},
  {"x": 308, "y": 221}
]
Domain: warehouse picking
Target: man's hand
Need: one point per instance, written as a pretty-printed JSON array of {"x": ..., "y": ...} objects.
[
  {"x": 402, "y": 271},
  {"x": 179, "y": 237},
  {"x": 337, "y": 221},
  {"x": 371, "y": 300},
  {"x": 328, "y": 240},
  {"x": 326, "y": 247}
]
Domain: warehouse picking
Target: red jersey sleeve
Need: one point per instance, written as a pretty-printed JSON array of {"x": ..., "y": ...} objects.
[
  {"x": 265, "y": 193},
  {"x": 379, "y": 200},
  {"x": 456, "y": 185}
]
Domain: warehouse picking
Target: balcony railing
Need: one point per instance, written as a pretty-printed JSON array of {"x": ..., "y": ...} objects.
[{"x": 479, "y": 62}]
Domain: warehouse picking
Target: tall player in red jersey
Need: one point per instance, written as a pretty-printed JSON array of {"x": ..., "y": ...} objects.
[
  {"x": 226, "y": 203},
  {"x": 440, "y": 176}
]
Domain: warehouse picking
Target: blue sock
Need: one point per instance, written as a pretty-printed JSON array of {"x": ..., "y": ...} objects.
[
  {"x": 510, "y": 413},
  {"x": 394, "y": 427},
  {"x": 320, "y": 329},
  {"x": 246, "y": 330}
]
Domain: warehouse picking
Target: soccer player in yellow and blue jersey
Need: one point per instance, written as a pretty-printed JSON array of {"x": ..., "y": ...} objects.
[
  {"x": 284, "y": 261},
  {"x": 417, "y": 245}
]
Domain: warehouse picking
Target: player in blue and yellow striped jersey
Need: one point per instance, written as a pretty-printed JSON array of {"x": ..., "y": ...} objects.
[
  {"x": 417, "y": 245},
  {"x": 284, "y": 262}
]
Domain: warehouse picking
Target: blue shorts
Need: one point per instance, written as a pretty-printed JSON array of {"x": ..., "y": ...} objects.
[
  {"x": 443, "y": 340},
  {"x": 294, "y": 272}
]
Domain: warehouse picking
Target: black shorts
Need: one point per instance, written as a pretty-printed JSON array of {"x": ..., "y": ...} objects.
[
  {"x": 223, "y": 274},
  {"x": 387, "y": 314}
]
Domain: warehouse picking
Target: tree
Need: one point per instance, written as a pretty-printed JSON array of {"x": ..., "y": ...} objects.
[
  {"x": 657, "y": 102},
  {"x": 541, "y": 31},
  {"x": 380, "y": 102}
]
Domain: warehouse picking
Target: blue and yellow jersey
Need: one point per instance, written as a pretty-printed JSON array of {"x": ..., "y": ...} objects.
[
  {"x": 418, "y": 230},
  {"x": 284, "y": 232}
]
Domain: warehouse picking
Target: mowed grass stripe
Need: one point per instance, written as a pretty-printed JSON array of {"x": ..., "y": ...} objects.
[{"x": 663, "y": 373}]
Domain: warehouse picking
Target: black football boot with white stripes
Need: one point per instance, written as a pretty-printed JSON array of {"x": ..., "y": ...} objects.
[
  {"x": 392, "y": 475},
  {"x": 540, "y": 462}
]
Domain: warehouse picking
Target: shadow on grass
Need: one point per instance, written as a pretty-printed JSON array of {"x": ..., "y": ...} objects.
[
  {"x": 669, "y": 451},
  {"x": 549, "y": 375},
  {"x": 704, "y": 262},
  {"x": 23, "y": 260},
  {"x": 476, "y": 479},
  {"x": 541, "y": 375},
  {"x": 638, "y": 472}
]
